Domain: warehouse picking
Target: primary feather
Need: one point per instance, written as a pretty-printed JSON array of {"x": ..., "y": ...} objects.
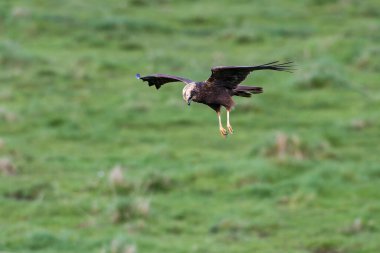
[
  {"x": 160, "y": 79},
  {"x": 231, "y": 76}
]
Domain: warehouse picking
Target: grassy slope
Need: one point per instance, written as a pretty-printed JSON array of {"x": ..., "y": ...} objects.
[{"x": 71, "y": 110}]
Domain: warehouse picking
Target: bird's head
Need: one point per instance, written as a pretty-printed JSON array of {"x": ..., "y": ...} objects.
[{"x": 189, "y": 92}]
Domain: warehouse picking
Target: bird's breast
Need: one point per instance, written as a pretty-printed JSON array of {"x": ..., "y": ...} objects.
[{"x": 212, "y": 95}]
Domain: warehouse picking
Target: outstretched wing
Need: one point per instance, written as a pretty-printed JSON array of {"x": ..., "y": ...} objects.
[
  {"x": 231, "y": 76},
  {"x": 160, "y": 79}
]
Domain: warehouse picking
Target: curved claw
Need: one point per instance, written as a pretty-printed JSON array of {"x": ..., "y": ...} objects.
[
  {"x": 230, "y": 129},
  {"x": 223, "y": 132}
]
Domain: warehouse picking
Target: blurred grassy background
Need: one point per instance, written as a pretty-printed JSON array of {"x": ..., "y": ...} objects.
[{"x": 93, "y": 160}]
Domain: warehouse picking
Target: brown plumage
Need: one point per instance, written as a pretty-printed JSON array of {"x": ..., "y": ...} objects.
[{"x": 219, "y": 88}]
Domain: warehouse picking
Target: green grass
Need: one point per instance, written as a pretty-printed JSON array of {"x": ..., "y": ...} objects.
[{"x": 71, "y": 110}]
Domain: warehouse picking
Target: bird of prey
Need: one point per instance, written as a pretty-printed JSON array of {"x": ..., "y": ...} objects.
[{"x": 219, "y": 88}]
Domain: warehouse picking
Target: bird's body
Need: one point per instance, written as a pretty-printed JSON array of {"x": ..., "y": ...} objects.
[
  {"x": 213, "y": 96},
  {"x": 219, "y": 88}
]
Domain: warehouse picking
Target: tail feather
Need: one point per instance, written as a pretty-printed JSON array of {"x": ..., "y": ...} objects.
[{"x": 247, "y": 91}]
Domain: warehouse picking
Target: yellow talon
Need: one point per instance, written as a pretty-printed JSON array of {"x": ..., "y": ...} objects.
[
  {"x": 223, "y": 132},
  {"x": 230, "y": 129}
]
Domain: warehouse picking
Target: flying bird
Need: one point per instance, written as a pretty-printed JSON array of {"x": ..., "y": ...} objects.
[{"x": 219, "y": 88}]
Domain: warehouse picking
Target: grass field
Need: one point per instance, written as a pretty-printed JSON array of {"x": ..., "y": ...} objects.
[{"x": 93, "y": 160}]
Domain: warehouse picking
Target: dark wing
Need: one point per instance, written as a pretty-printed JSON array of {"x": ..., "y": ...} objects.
[
  {"x": 231, "y": 76},
  {"x": 160, "y": 79}
]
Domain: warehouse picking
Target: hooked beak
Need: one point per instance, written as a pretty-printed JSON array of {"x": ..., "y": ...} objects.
[{"x": 189, "y": 100}]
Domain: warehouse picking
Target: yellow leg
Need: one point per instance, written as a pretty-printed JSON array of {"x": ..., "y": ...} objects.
[
  {"x": 228, "y": 123},
  {"x": 222, "y": 131}
]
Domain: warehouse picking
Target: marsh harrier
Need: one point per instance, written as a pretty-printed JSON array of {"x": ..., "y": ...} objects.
[{"x": 219, "y": 88}]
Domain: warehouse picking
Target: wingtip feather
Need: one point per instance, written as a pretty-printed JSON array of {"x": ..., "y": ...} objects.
[{"x": 285, "y": 66}]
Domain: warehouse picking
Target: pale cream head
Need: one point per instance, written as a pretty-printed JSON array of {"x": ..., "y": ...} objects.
[{"x": 186, "y": 92}]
